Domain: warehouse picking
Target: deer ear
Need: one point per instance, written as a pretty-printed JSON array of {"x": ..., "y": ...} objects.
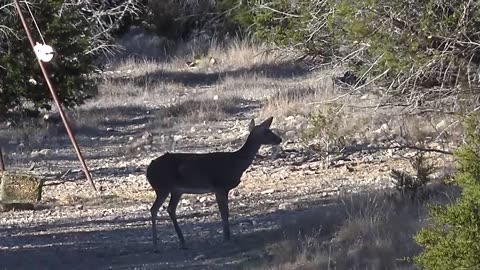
[
  {"x": 267, "y": 122},
  {"x": 251, "y": 125}
]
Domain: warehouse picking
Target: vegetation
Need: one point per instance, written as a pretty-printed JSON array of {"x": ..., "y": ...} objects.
[
  {"x": 413, "y": 48},
  {"x": 417, "y": 55},
  {"x": 78, "y": 31},
  {"x": 453, "y": 240},
  {"x": 22, "y": 87}
]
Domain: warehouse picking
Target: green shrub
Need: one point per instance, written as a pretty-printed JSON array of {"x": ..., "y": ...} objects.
[
  {"x": 453, "y": 240},
  {"x": 412, "y": 45},
  {"x": 326, "y": 129},
  {"x": 422, "y": 42},
  {"x": 22, "y": 86}
]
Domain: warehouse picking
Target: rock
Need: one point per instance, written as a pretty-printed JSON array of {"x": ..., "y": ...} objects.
[
  {"x": 441, "y": 125},
  {"x": 79, "y": 206},
  {"x": 42, "y": 153},
  {"x": 177, "y": 138},
  {"x": 245, "y": 224},
  {"x": 384, "y": 127},
  {"x": 46, "y": 152},
  {"x": 284, "y": 206},
  {"x": 268, "y": 191},
  {"x": 20, "y": 187},
  {"x": 35, "y": 155},
  {"x": 290, "y": 134},
  {"x": 200, "y": 257}
]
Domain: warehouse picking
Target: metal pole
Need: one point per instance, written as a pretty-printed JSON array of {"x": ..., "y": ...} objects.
[
  {"x": 2, "y": 163},
  {"x": 55, "y": 99}
]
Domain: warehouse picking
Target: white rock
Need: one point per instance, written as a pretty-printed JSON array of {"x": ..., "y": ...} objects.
[
  {"x": 268, "y": 191},
  {"x": 290, "y": 134},
  {"x": 441, "y": 125},
  {"x": 283, "y": 206},
  {"x": 177, "y": 138}
]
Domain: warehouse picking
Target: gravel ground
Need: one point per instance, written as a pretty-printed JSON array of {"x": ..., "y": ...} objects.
[{"x": 75, "y": 228}]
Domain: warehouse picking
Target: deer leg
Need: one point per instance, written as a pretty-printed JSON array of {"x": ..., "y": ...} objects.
[
  {"x": 171, "y": 209},
  {"x": 161, "y": 196},
  {"x": 222, "y": 201}
]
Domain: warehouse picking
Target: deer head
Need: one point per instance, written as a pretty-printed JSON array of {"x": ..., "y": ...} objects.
[{"x": 262, "y": 134}]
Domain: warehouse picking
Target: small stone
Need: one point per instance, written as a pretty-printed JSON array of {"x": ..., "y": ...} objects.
[
  {"x": 283, "y": 206},
  {"x": 290, "y": 134},
  {"x": 441, "y": 125},
  {"x": 268, "y": 191},
  {"x": 110, "y": 129},
  {"x": 45, "y": 152},
  {"x": 200, "y": 257},
  {"x": 79, "y": 206}
]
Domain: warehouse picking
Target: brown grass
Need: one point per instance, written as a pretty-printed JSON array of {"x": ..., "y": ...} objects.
[
  {"x": 367, "y": 231},
  {"x": 198, "y": 111}
]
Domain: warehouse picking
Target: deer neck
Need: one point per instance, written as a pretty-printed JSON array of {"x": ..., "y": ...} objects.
[{"x": 247, "y": 152}]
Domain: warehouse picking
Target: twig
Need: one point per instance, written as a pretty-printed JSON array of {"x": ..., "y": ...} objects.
[{"x": 278, "y": 11}]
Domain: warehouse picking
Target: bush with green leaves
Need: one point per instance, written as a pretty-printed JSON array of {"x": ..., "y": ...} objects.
[
  {"x": 79, "y": 31},
  {"x": 287, "y": 23},
  {"x": 327, "y": 130},
  {"x": 22, "y": 86},
  {"x": 453, "y": 240},
  {"x": 412, "y": 46},
  {"x": 427, "y": 44}
]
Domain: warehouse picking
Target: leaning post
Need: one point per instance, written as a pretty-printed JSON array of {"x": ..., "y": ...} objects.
[{"x": 55, "y": 99}]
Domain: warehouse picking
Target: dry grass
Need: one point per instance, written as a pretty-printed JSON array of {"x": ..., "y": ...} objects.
[
  {"x": 198, "y": 110},
  {"x": 246, "y": 78},
  {"x": 367, "y": 231}
]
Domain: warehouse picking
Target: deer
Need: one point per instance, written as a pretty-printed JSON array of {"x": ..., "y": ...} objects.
[{"x": 176, "y": 174}]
